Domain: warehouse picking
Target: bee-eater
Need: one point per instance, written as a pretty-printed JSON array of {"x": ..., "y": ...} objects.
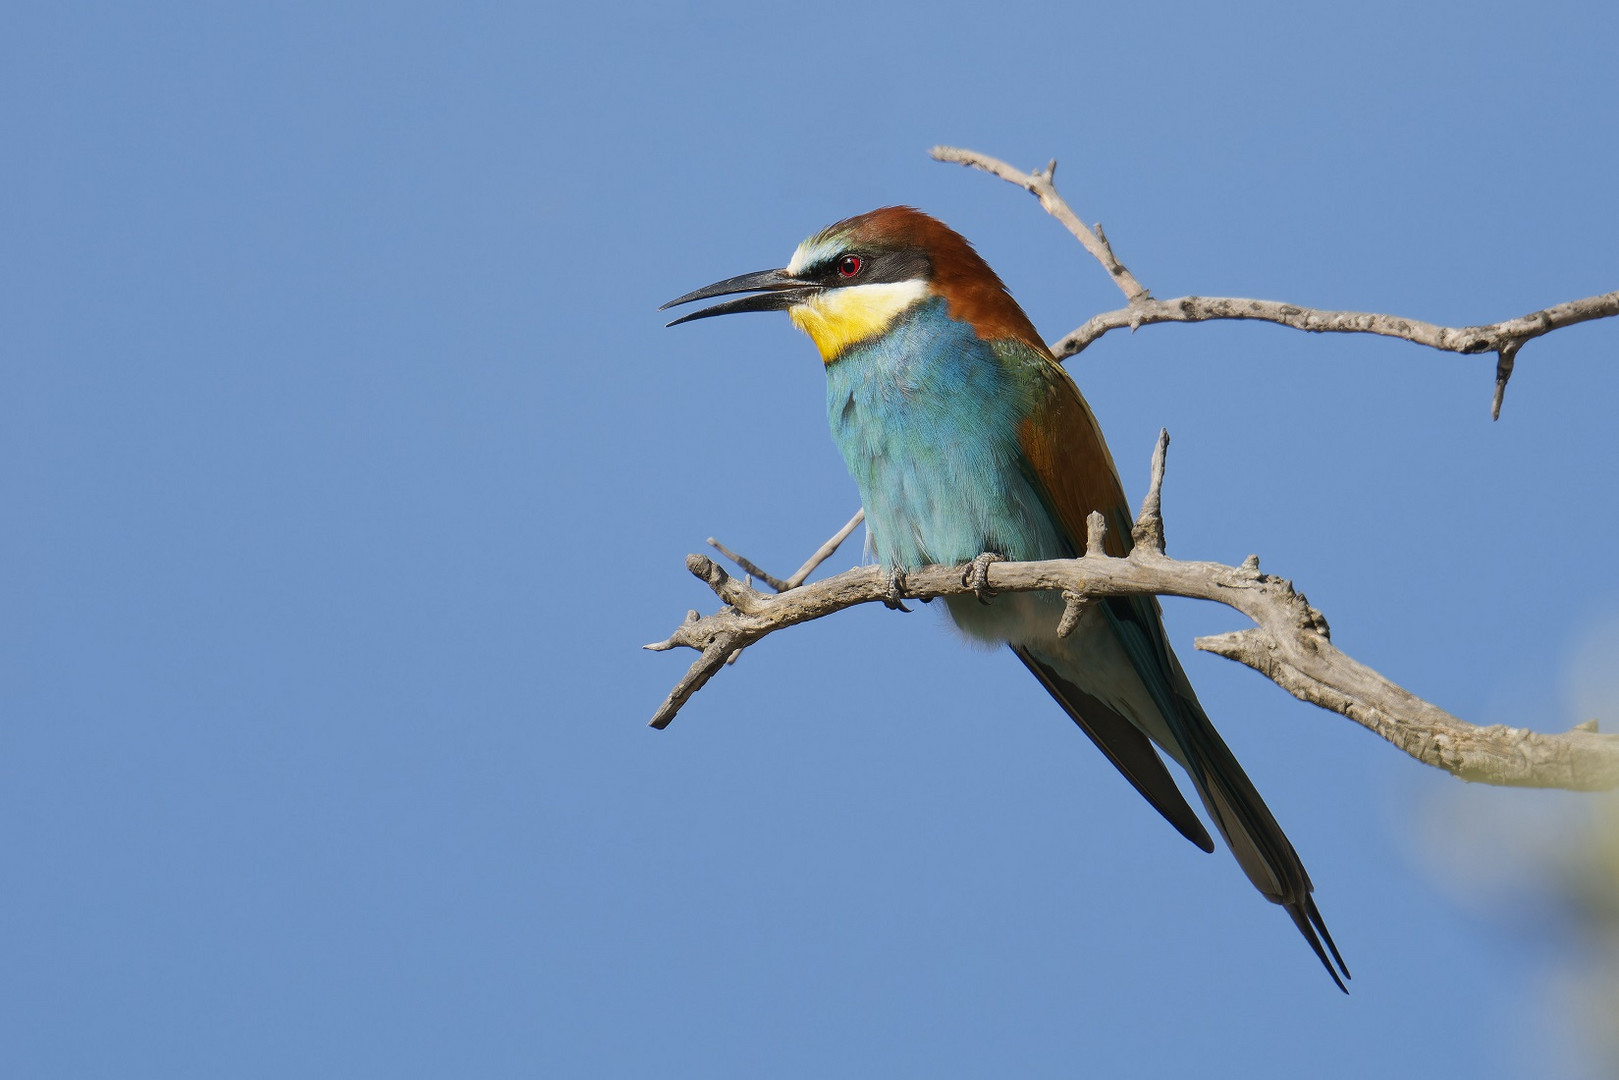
[{"x": 966, "y": 437}]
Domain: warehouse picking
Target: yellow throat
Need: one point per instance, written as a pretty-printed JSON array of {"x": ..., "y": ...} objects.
[{"x": 837, "y": 318}]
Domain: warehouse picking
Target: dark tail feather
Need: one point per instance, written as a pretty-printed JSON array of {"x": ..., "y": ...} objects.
[
  {"x": 1261, "y": 848},
  {"x": 1308, "y": 920},
  {"x": 1320, "y": 924},
  {"x": 1125, "y": 745}
]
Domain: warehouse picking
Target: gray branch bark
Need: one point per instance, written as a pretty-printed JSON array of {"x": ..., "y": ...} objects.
[
  {"x": 1502, "y": 338},
  {"x": 1289, "y": 643}
]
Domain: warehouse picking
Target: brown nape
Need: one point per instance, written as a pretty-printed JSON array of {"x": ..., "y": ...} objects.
[{"x": 972, "y": 290}]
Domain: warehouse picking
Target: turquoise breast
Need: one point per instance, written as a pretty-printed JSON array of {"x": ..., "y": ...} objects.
[{"x": 927, "y": 416}]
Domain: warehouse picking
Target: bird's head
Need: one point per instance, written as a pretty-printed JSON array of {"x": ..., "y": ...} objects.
[{"x": 849, "y": 282}]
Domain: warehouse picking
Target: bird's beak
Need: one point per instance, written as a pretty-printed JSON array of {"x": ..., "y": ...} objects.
[{"x": 773, "y": 290}]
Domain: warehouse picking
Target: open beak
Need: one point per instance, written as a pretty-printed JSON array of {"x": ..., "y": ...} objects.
[{"x": 773, "y": 290}]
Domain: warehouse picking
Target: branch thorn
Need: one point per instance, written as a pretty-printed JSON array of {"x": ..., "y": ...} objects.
[
  {"x": 1149, "y": 528},
  {"x": 1095, "y": 534},
  {"x": 1073, "y": 607},
  {"x": 1506, "y": 357}
]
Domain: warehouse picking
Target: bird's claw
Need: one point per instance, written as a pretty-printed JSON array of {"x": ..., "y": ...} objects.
[
  {"x": 895, "y": 600},
  {"x": 976, "y": 576}
]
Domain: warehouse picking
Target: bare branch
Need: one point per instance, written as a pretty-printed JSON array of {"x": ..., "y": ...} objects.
[
  {"x": 824, "y": 552},
  {"x": 1458, "y": 339},
  {"x": 1040, "y": 184},
  {"x": 1289, "y": 644},
  {"x": 750, "y": 566},
  {"x": 1502, "y": 338}
]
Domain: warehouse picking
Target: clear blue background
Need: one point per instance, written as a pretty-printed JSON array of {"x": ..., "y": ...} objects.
[{"x": 345, "y": 466}]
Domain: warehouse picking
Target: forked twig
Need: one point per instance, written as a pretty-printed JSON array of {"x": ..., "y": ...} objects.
[{"x": 1502, "y": 338}]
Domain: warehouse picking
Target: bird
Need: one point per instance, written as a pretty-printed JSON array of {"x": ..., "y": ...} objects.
[{"x": 968, "y": 439}]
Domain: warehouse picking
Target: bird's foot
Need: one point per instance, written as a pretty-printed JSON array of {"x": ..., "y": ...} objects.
[
  {"x": 977, "y": 576},
  {"x": 896, "y": 590}
]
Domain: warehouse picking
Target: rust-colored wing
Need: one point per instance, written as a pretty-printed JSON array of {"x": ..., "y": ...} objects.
[{"x": 1069, "y": 462}]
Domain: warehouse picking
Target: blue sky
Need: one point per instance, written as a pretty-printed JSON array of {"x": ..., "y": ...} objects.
[{"x": 348, "y": 465}]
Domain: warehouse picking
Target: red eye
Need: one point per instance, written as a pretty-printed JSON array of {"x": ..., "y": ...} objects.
[{"x": 849, "y": 266}]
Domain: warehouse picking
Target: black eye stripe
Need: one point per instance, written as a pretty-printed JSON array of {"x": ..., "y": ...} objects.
[{"x": 872, "y": 267}]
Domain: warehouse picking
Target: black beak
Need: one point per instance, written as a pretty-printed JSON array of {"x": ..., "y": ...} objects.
[{"x": 774, "y": 290}]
